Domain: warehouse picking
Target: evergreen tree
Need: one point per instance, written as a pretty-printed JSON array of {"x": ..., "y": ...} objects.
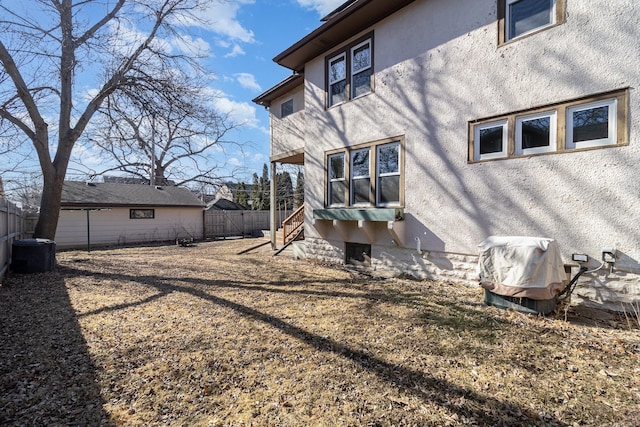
[
  {"x": 284, "y": 191},
  {"x": 265, "y": 185},
  {"x": 256, "y": 193},
  {"x": 241, "y": 197},
  {"x": 298, "y": 196}
]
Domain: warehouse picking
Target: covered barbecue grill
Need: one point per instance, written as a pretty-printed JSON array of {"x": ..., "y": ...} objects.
[{"x": 523, "y": 273}]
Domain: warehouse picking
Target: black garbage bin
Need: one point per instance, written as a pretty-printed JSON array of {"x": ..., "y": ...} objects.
[{"x": 33, "y": 255}]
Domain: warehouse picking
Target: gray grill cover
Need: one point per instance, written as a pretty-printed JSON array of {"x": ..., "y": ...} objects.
[{"x": 518, "y": 266}]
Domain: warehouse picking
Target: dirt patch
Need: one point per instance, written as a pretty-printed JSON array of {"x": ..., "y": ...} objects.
[{"x": 200, "y": 336}]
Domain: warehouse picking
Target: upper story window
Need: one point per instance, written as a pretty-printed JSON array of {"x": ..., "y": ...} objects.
[
  {"x": 337, "y": 80},
  {"x": 286, "y": 108},
  {"x": 585, "y": 123},
  {"x": 350, "y": 72},
  {"x": 367, "y": 175},
  {"x": 361, "y": 69},
  {"x": 519, "y": 18}
]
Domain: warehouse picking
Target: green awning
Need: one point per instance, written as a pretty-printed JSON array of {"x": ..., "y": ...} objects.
[{"x": 349, "y": 214}]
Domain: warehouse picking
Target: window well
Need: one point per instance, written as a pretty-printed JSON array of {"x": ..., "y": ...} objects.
[{"x": 358, "y": 254}]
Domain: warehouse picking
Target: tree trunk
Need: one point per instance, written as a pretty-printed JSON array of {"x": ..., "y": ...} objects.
[{"x": 49, "y": 206}]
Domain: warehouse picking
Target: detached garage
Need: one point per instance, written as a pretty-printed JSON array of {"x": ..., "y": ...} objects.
[{"x": 119, "y": 214}]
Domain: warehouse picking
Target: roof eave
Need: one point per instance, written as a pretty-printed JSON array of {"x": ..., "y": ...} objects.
[
  {"x": 341, "y": 26},
  {"x": 265, "y": 99}
]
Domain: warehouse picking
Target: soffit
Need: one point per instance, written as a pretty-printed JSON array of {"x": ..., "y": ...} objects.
[
  {"x": 340, "y": 26},
  {"x": 287, "y": 85}
]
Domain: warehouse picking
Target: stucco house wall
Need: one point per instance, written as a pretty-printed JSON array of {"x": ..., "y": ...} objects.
[
  {"x": 115, "y": 227},
  {"x": 288, "y": 133},
  {"x": 438, "y": 67}
]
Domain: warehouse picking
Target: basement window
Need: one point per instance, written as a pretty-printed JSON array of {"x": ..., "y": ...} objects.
[{"x": 357, "y": 254}]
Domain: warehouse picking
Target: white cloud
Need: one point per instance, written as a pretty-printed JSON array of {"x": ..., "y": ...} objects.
[
  {"x": 234, "y": 161},
  {"x": 248, "y": 81},
  {"x": 236, "y": 51},
  {"x": 87, "y": 158},
  {"x": 190, "y": 45},
  {"x": 323, "y": 7},
  {"x": 220, "y": 17},
  {"x": 223, "y": 43},
  {"x": 239, "y": 112}
]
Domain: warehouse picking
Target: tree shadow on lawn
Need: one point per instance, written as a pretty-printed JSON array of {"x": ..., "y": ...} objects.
[
  {"x": 485, "y": 410},
  {"x": 46, "y": 373}
]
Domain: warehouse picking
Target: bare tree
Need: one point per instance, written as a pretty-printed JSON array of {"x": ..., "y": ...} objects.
[
  {"x": 26, "y": 189},
  {"x": 173, "y": 135},
  {"x": 47, "y": 46}
]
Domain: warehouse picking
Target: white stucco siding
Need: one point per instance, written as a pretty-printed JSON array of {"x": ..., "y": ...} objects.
[
  {"x": 437, "y": 67},
  {"x": 287, "y": 133},
  {"x": 111, "y": 227}
]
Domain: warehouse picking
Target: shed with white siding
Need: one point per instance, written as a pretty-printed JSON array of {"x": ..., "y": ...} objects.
[{"x": 118, "y": 214}]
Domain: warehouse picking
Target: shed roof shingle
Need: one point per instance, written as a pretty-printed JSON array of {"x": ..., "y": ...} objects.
[{"x": 103, "y": 194}]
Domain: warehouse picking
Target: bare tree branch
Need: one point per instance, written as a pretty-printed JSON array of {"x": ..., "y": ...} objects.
[
  {"x": 160, "y": 134},
  {"x": 42, "y": 54}
]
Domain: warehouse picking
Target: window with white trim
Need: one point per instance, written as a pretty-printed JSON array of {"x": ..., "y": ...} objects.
[
  {"x": 360, "y": 177},
  {"x": 536, "y": 133},
  {"x": 338, "y": 79},
  {"x": 361, "y": 69},
  {"x": 592, "y": 125},
  {"x": 519, "y": 18},
  {"x": 337, "y": 180},
  {"x": 388, "y": 174},
  {"x": 367, "y": 175},
  {"x": 350, "y": 72},
  {"x": 595, "y": 121},
  {"x": 491, "y": 140}
]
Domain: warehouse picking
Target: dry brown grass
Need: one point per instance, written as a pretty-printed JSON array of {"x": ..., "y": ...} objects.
[{"x": 199, "y": 336}]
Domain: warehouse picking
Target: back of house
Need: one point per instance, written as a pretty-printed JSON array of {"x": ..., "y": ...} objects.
[{"x": 426, "y": 126}]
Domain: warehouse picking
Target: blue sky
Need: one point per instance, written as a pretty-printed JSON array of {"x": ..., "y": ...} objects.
[
  {"x": 243, "y": 47},
  {"x": 241, "y": 37}
]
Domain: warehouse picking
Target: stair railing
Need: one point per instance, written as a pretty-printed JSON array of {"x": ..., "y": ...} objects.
[{"x": 292, "y": 224}]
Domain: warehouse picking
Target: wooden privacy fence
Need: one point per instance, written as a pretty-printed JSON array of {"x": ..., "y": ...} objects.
[
  {"x": 222, "y": 224},
  {"x": 12, "y": 227}
]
